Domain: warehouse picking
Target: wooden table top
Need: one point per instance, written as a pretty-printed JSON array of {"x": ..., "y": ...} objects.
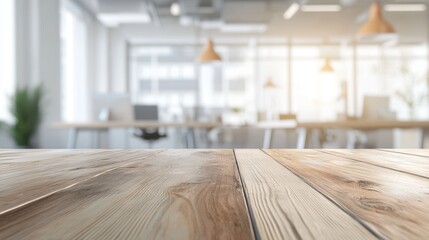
[
  {"x": 366, "y": 124},
  {"x": 135, "y": 124},
  {"x": 214, "y": 194},
  {"x": 355, "y": 124},
  {"x": 285, "y": 124}
]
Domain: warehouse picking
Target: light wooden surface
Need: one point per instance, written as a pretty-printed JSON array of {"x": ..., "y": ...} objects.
[
  {"x": 393, "y": 203},
  {"x": 415, "y": 164},
  {"x": 32, "y": 174},
  {"x": 134, "y": 124},
  {"x": 365, "y": 125},
  {"x": 356, "y": 124},
  {"x": 277, "y": 196},
  {"x": 214, "y": 194},
  {"x": 287, "y": 124},
  {"x": 417, "y": 152}
]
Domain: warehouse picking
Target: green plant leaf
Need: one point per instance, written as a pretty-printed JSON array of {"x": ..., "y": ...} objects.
[{"x": 26, "y": 110}]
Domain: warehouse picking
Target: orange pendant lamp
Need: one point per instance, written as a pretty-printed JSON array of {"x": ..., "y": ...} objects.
[
  {"x": 269, "y": 84},
  {"x": 376, "y": 25},
  {"x": 208, "y": 54},
  {"x": 327, "y": 67}
]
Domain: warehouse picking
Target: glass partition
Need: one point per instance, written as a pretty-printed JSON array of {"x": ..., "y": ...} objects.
[{"x": 168, "y": 75}]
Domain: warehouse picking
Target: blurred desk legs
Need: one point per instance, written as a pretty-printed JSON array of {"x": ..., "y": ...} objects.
[
  {"x": 424, "y": 133},
  {"x": 72, "y": 141},
  {"x": 354, "y": 136},
  {"x": 303, "y": 137},
  {"x": 306, "y": 135},
  {"x": 74, "y": 134},
  {"x": 268, "y": 136},
  {"x": 189, "y": 137}
]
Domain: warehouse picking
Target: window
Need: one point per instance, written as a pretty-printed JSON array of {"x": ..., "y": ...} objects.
[
  {"x": 166, "y": 75},
  {"x": 163, "y": 75},
  {"x": 394, "y": 71},
  {"x": 7, "y": 56},
  {"x": 74, "y": 81},
  {"x": 272, "y": 64},
  {"x": 315, "y": 93}
]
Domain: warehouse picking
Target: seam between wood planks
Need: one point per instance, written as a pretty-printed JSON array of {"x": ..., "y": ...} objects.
[
  {"x": 72, "y": 185},
  {"x": 403, "y": 153},
  {"x": 373, "y": 164},
  {"x": 375, "y": 232},
  {"x": 251, "y": 218}
]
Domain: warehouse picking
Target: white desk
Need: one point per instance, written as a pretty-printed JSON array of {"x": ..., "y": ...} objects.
[
  {"x": 76, "y": 127},
  {"x": 307, "y": 128}
]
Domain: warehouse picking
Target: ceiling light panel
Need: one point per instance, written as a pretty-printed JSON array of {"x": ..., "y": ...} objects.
[
  {"x": 115, "y": 19},
  {"x": 405, "y": 7},
  {"x": 244, "y": 28},
  {"x": 291, "y": 11},
  {"x": 321, "y": 8},
  {"x": 175, "y": 9}
]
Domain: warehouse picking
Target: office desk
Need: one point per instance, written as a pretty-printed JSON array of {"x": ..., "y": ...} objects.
[
  {"x": 307, "y": 128},
  {"x": 214, "y": 194},
  {"x": 189, "y": 126}
]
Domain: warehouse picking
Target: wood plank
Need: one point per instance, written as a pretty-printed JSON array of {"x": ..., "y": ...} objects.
[
  {"x": 285, "y": 207},
  {"x": 418, "y": 152},
  {"x": 26, "y": 175},
  {"x": 392, "y": 203},
  {"x": 176, "y": 194},
  {"x": 412, "y": 164}
]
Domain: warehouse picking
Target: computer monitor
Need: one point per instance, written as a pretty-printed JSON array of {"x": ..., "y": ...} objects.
[
  {"x": 113, "y": 107},
  {"x": 377, "y": 108},
  {"x": 145, "y": 112}
]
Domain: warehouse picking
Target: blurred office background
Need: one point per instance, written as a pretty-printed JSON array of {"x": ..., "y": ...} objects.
[{"x": 303, "y": 59}]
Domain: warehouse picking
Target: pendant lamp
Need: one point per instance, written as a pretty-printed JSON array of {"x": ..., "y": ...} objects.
[
  {"x": 208, "y": 54},
  {"x": 327, "y": 67},
  {"x": 269, "y": 84},
  {"x": 376, "y": 25}
]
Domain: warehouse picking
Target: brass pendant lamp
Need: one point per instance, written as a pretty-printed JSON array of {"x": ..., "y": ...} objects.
[
  {"x": 376, "y": 25},
  {"x": 208, "y": 54},
  {"x": 327, "y": 67}
]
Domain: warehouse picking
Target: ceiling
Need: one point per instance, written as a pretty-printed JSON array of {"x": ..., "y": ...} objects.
[{"x": 257, "y": 18}]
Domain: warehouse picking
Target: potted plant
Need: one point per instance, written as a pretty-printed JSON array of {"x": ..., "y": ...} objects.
[
  {"x": 26, "y": 111},
  {"x": 410, "y": 94}
]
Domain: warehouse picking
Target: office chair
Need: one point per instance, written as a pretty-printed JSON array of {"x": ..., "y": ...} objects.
[{"x": 148, "y": 112}]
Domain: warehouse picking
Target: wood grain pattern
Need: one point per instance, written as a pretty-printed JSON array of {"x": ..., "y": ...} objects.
[
  {"x": 285, "y": 207},
  {"x": 26, "y": 175},
  {"x": 418, "y": 152},
  {"x": 413, "y": 164},
  {"x": 176, "y": 194},
  {"x": 197, "y": 194},
  {"x": 392, "y": 203}
]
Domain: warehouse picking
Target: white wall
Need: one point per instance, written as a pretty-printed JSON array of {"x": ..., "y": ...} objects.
[
  {"x": 38, "y": 60},
  {"x": 117, "y": 61},
  {"x": 7, "y": 56},
  {"x": 101, "y": 47}
]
